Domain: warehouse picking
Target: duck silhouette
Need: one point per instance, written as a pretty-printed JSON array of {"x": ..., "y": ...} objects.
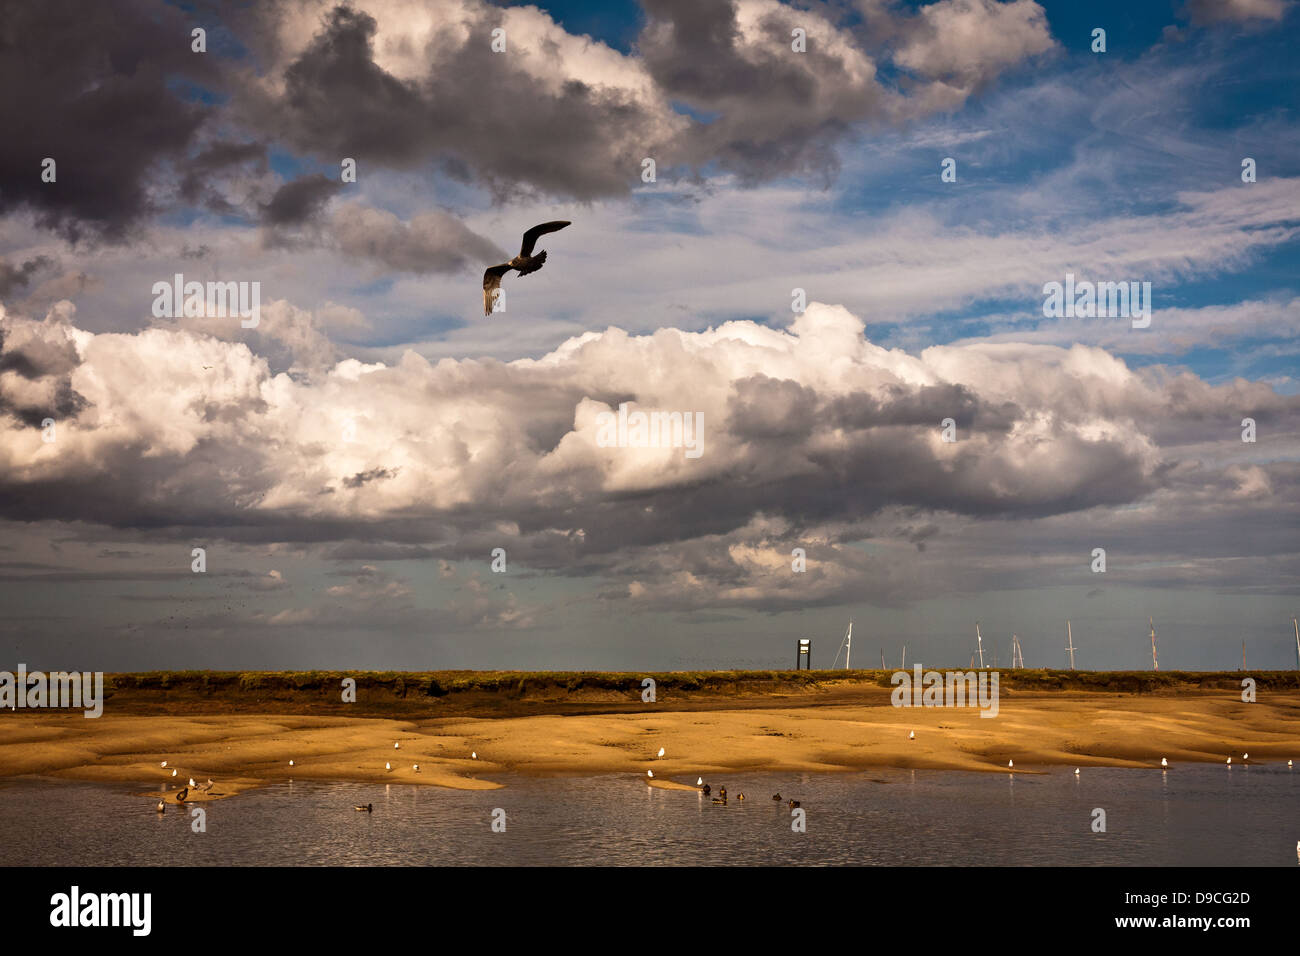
[{"x": 368, "y": 808}]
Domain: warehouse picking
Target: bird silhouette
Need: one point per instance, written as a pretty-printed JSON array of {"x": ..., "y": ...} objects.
[{"x": 524, "y": 263}]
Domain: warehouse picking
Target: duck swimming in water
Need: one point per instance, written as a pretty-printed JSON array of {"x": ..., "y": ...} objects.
[
  {"x": 706, "y": 789},
  {"x": 740, "y": 796},
  {"x": 368, "y": 808},
  {"x": 161, "y": 807},
  {"x": 776, "y": 796},
  {"x": 793, "y": 804}
]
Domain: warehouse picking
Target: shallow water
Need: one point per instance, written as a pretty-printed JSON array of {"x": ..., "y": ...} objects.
[{"x": 1203, "y": 815}]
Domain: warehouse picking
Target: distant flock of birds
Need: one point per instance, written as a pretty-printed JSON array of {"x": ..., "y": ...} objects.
[{"x": 706, "y": 789}]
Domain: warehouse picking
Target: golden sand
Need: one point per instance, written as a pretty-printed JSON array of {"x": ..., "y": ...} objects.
[{"x": 848, "y": 731}]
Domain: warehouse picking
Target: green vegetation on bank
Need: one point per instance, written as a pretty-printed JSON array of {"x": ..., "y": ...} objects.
[{"x": 405, "y": 684}]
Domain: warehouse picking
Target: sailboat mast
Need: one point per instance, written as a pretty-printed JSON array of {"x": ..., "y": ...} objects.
[
  {"x": 1154, "y": 662},
  {"x": 848, "y": 645},
  {"x": 980, "y": 640},
  {"x": 1297, "y": 641},
  {"x": 1070, "y": 643}
]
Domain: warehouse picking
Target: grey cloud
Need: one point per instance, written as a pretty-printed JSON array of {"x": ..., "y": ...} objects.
[
  {"x": 13, "y": 278},
  {"x": 300, "y": 200},
  {"x": 431, "y": 242}
]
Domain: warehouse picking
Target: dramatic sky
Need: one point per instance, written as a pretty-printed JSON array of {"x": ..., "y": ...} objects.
[{"x": 350, "y": 464}]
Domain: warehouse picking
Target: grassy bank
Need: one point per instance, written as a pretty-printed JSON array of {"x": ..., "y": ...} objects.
[{"x": 408, "y": 692}]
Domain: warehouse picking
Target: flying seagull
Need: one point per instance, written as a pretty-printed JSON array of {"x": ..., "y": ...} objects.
[{"x": 523, "y": 263}]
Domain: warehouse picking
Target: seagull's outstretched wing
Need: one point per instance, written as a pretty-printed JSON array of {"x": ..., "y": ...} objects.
[
  {"x": 492, "y": 282},
  {"x": 535, "y": 233}
]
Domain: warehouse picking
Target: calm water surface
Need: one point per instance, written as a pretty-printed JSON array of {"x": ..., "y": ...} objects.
[{"x": 1192, "y": 815}]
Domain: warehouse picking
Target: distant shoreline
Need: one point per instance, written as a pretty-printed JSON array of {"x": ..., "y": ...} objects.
[{"x": 242, "y": 729}]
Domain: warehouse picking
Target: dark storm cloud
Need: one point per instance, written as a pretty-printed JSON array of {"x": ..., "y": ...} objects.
[
  {"x": 534, "y": 119},
  {"x": 94, "y": 87},
  {"x": 300, "y": 200},
  {"x": 771, "y": 110},
  {"x": 123, "y": 105},
  {"x": 364, "y": 477},
  {"x": 477, "y": 110}
]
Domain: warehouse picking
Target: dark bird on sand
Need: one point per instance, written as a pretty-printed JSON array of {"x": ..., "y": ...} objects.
[
  {"x": 523, "y": 263},
  {"x": 184, "y": 792}
]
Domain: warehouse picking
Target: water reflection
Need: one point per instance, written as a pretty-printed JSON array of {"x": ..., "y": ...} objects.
[{"x": 1194, "y": 816}]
